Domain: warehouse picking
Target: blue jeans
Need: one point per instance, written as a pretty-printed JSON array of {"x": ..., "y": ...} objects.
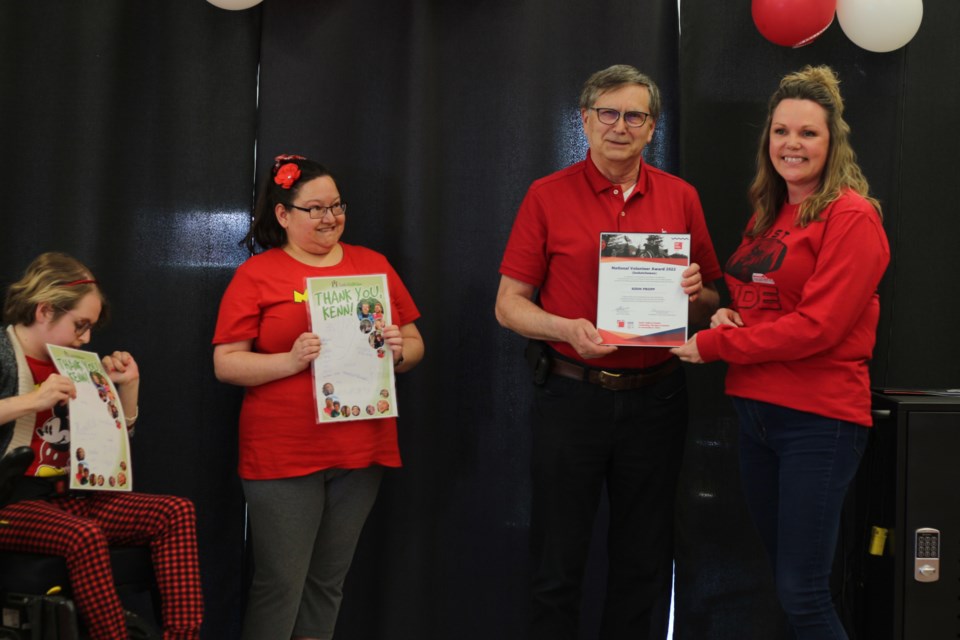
[{"x": 795, "y": 468}]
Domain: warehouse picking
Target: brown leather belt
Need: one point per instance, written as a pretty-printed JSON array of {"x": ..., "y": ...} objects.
[{"x": 612, "y": 380}]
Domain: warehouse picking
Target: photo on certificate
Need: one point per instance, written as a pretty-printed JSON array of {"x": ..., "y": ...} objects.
[
  {"x": 640, "y": 302},
  {"x": 353, "y": 378},
  {"x": 99, "y": 442}
]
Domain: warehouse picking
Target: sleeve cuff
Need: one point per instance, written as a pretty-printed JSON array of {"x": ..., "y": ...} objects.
[{"x": 707, "y": 345}]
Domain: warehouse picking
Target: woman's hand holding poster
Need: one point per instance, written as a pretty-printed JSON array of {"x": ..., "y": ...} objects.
[{"x": 353, "y": 377}]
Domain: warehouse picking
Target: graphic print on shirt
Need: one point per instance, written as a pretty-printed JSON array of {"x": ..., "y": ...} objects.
[
  {"x": 753, "y": 264},
  {"x": 53, "y": 458}
]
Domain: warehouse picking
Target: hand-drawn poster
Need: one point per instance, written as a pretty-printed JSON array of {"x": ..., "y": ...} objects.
[
  {"x": 99, "y": 442},
  {"x": 640, "y": 302},
  {"x": 353, "y": 378}
]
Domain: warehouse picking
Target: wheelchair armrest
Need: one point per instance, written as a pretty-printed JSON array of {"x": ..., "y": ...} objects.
[{"x": 12, "y": 467}]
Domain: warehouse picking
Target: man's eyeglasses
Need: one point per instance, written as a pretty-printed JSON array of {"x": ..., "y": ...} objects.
[
  {"x": 318, "y": 213},
  {"x": 610, "y": 116}
]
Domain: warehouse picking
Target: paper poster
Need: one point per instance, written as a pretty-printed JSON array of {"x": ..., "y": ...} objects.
[
  {"x": 640, "y": 302},
  {"x": 99, "y": 442},
  {"x": 353, "y": 377}
]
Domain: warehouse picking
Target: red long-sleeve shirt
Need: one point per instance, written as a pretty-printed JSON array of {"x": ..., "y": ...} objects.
[{"x": 808, "y": 300}]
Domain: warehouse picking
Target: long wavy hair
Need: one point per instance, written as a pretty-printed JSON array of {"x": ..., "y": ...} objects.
[{"x": 768, "y": 191}]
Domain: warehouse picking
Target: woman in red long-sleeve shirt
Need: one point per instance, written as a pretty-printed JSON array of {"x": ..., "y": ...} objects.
[{"x": 798, "y": 338}]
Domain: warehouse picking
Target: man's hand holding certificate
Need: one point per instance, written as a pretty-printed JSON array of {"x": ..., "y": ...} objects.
[{"x": 640, "y": 302}]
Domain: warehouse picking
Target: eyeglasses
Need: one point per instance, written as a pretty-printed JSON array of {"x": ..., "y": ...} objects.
[
  {"x": 318, "y": 212},
  {"x": 82, "y": 327},
  {"x": 610, "y": 116}
]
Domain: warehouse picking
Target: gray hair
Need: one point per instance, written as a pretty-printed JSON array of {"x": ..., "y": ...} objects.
[{"x": 617, "y": 76}]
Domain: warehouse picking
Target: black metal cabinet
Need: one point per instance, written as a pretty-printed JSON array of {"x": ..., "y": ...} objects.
[{"x": 908, "y": 486}]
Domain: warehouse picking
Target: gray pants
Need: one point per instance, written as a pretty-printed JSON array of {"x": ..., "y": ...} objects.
[{"x": 304, "y": 533}]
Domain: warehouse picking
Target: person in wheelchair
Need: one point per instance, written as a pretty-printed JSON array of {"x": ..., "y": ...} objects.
[{"x": 58, "y": 302}]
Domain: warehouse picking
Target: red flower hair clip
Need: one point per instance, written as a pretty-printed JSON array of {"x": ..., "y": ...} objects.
[{"x": 286, "y": 174}]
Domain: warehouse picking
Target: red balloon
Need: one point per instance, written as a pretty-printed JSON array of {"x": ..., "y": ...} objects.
[{"x": 793, "y": 23}]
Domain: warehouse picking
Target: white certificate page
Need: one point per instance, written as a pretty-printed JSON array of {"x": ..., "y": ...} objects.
[{"x": 640, "y": 302}]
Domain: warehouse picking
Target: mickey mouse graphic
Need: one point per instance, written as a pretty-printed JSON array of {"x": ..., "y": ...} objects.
[{"x": 54, "y": 457}]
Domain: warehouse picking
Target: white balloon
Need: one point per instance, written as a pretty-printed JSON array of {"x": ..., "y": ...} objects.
[
  {"x": 234, "y": 5},
  {"x": 880, "y": 25}
]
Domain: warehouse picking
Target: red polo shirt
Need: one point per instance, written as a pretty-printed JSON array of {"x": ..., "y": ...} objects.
[{"x": 555, "y": 241}]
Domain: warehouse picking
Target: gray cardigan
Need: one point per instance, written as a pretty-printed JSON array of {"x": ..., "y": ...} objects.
[{"x": 15, "y": 380}]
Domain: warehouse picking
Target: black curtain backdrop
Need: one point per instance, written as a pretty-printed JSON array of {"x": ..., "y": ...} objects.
[
  {"x": 127, "y": 132},
  {"x": 435, "y": 117},
  {"x": 132, "y": 134}
]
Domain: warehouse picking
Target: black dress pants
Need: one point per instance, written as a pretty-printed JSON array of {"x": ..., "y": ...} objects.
[{"x": 586, "y": 436}]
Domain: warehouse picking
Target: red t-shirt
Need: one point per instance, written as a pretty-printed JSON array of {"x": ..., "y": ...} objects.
[
  {"x": 808, "y": 298},
  {"x": 51, "y": 437},
  {"x": 555, "y": 241},
  {"x": 279, "y": 434}
]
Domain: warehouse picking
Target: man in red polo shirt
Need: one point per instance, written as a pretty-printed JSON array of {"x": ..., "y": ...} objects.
[{"x": 626, "y": 429}]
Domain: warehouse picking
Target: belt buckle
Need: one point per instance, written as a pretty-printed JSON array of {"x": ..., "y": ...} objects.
[{"x": 609, "y": 380}]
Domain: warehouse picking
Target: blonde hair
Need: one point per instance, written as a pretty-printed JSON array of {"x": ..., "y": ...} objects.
[
  {"x": 768, "y": 191},
  {"x": 55, "y": 279}
]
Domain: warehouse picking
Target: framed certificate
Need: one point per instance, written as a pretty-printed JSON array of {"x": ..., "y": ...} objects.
[
  {"x": 640, "y": 302},
  {"x": 99, "y": 442},
  {"x": 353, "y": 378}
]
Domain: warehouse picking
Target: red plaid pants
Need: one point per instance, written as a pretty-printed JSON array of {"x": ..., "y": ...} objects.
[{"x": 79, "y": 528}]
